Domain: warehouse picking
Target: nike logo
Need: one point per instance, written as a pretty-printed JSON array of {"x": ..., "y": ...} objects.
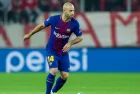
[{"x": 57, "y": 28}]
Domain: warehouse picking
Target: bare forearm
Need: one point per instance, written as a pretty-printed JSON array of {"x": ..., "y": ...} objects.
[
  {"x": 37, "y": 29},
  {"x": 76, "y": 40}
]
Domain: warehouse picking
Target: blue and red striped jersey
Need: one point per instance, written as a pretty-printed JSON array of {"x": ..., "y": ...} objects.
[{"x": 61, "y": 32}]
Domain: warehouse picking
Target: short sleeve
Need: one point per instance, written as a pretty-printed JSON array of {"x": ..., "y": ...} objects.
[
  {"x": 77, "y": 30},
  {"x": 48, "y": 22}
]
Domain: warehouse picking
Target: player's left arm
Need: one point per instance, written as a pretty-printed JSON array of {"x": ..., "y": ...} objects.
[
  {"x": 78, "y": 39},
  {"x": 67, "y": 47}
]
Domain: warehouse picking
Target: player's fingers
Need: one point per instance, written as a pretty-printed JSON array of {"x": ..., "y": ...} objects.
[
  {"x": 25, "y": 38},
  {"x": 66, "y": 49},
  {"x": 63, "y": 49}
]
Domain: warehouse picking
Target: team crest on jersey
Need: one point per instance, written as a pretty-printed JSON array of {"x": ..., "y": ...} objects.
[{"x": 68, "y": 30}]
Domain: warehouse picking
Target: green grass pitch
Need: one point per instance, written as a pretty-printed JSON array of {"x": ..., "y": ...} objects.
[{"x": 88, "y": 83}]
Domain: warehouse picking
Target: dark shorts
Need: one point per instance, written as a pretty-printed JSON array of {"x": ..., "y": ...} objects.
[{"x": 60, "y": 61}]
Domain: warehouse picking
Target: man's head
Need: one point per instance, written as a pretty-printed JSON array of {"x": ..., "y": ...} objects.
[{"x": 68, "y": 10}]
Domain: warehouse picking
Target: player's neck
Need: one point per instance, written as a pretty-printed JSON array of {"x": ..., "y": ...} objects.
[{"x": 65, "y": 19}]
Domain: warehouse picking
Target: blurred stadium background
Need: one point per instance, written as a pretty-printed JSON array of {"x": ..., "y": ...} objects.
[{"x": 107, "y": 61}]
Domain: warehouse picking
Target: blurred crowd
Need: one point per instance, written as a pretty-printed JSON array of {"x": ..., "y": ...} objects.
[
  {"x": 112, "y": 5},
  {"x": 27, "y": 11},
  {"x": 106, "y": 5}
]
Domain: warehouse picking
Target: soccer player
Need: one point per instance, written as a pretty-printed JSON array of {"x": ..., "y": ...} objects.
[{"x": 62, "y": 26}]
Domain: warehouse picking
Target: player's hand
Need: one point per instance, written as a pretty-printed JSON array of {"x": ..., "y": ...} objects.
[
  {"x": 67, "y": 47},
  {"x": 27, "y": 36}
]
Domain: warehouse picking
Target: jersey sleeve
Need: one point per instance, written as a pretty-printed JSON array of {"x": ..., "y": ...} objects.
[
  {"x": 48, "y": 22},
  {"x": 77, "y": 30}
]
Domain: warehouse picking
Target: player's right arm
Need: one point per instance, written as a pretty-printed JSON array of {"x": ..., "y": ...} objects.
[
  {"x": 39, "y": 28},
  {"x": 35, "y": 30}
]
